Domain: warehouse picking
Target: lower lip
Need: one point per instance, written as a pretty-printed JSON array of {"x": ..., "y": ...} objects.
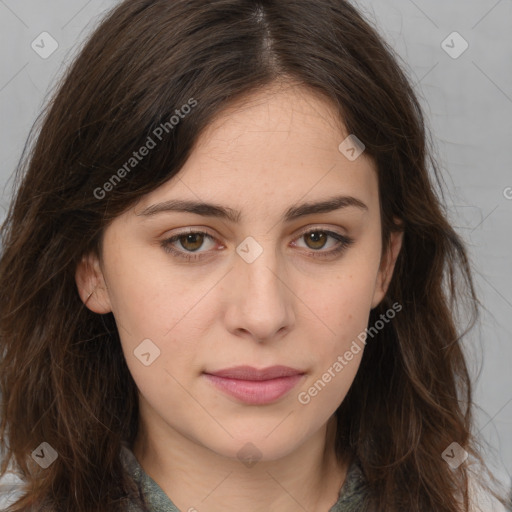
[{"x": 255, "y": 392}]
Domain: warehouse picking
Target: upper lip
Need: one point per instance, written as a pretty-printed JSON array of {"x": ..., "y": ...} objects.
[{"x": 250, "y": 373}]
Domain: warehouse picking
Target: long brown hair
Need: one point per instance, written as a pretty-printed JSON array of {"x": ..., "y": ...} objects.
[{"x": 63, "y": 377}]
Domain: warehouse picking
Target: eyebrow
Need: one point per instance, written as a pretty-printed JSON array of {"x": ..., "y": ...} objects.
[{"x": 222, "y": 212}]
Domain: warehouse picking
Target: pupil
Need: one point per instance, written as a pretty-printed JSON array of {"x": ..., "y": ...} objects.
[
  {"x": 316, "y": 237},
  {"x": 191, "y": 238}
]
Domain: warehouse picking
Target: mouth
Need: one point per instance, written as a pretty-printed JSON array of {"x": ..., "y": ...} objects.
[{"x": 255, "y": 386}]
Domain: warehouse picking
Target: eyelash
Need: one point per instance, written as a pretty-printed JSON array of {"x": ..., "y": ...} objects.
[{"x": 344, "y": 243}]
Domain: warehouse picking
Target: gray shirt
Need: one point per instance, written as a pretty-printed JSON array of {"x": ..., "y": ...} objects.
[{"x": 350, "y": 499}]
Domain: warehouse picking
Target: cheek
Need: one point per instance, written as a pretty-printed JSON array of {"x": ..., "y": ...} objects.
[
  {"x": 158, "y": 313},
  {"x": 345, "y": 302},
  {"x": 148, "y": 296},
  {"x": 344, "y": 308},
  {"x": 330, "y": 379}
]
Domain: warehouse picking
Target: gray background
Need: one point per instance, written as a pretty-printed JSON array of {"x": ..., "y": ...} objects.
[{"x": 468, "y": 105}]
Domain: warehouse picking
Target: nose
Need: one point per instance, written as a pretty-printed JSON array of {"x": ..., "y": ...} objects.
[{"x": 261, "y": 306}]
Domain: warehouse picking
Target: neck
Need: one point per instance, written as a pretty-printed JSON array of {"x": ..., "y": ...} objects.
[{"x": 196, "y": 478}]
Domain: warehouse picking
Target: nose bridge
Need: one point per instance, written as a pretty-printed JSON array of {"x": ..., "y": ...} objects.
[
  {"x": 260, "y": 267},
  {"x": 262, "y": 302}
]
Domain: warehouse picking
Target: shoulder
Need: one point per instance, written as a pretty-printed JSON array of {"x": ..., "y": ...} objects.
[
  {"x": 481, "y": 500},
  {"x": 10, "y": 489},
  {"x": 355, "y": 490}
]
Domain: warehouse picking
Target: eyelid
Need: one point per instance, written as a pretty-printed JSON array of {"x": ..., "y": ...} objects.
[
  {"x": 166, "y": 244},
  {"x": 344, "y": 242},
  {"x": 205, "y": 231},
  {"x": 318, "y": 228}
]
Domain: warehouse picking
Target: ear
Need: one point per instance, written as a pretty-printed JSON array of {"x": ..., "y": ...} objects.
[
  {"x": 91, "y": 284},
  {"x": 387, "y": 266}
]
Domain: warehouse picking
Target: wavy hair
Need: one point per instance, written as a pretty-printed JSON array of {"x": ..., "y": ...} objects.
[{"x": 63, "y": 377}]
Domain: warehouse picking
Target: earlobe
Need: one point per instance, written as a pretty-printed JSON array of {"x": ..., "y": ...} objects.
[
  {"x": 387, "y": 267},
  {"x": 91, "y": 285}
]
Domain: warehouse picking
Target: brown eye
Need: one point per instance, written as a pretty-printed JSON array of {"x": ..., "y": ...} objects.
[
  {"x": 191, "y": 241},
  {"x": 189, "y": 244},
  {"x": 315, "y": 239},
  {"x": 318, "y": 239}
]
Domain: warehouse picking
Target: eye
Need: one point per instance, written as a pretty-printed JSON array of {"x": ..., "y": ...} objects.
[
  {"x": 316, "y": 239},
  {"x": 190, "y": 241}
]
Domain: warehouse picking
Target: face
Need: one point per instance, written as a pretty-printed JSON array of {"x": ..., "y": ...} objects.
[{"x": 260, "y": 281}]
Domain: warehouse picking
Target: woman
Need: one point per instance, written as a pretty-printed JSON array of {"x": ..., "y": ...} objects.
[{"x": 223, "y": 275}]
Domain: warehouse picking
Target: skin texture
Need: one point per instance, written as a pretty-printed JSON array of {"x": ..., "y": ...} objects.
[{"x": 276, "y": 149}]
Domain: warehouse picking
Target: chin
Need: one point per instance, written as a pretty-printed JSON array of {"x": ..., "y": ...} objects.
[{"x": 260, "y": 447}]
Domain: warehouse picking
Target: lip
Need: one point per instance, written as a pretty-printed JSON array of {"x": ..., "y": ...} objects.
[{"x": 255, "y": 386}]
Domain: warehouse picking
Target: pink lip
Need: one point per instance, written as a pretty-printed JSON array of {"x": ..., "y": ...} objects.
[{"x": 253, "y": 386}]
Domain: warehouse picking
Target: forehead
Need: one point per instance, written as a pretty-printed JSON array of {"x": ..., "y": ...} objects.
[
  {"x": 281, "y": 117},
  {"x": 274, "y": 148}
]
